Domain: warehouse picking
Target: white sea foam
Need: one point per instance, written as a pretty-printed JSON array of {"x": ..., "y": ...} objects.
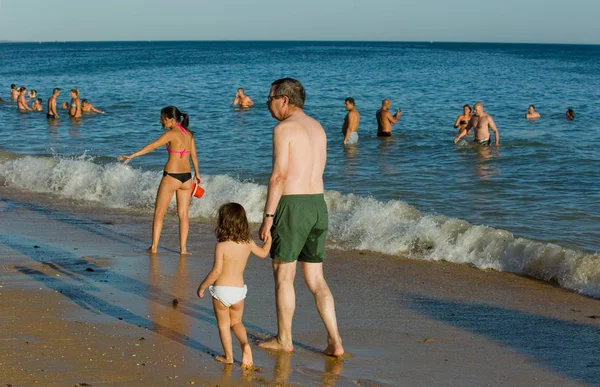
[{"x": 393, "y": 227}]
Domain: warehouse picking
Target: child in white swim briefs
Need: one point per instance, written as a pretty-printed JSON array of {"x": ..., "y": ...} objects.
[{"x": 229, "y": 291}]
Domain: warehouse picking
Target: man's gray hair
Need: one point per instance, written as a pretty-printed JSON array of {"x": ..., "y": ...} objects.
[{"x": 291, "y": 88}]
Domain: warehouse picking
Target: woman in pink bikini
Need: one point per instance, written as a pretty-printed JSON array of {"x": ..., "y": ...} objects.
[{"x": 177, "y": 175}]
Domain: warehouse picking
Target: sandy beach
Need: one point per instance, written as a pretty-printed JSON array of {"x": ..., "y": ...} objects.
[{"x": 82, "y": 303}]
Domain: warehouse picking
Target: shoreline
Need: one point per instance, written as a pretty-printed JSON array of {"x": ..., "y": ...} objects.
[{"x": 420, "y": 322}]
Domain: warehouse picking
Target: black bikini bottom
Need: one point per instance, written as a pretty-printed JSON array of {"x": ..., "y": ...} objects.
[
  {"x": 384, "y": 134},
  {"x": 182, "y": 177}
]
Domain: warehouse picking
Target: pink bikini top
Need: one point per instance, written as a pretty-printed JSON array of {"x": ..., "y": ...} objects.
[{"x": 183, "y": 152}]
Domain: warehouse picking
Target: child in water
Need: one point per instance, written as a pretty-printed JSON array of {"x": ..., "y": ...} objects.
[{"x": 229, "y": 291}]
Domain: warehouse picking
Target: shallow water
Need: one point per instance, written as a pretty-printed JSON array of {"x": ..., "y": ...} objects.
[{"x": 416, "y": 194}]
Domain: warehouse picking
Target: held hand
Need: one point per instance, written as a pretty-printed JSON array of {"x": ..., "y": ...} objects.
[{"x": 265, "y": 229}]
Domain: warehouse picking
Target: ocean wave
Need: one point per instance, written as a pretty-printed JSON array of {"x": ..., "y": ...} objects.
[{"x": 361, "y": 223}]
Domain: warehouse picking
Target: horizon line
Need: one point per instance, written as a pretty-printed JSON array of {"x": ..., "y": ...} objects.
[{"x": 294, "y": 41}]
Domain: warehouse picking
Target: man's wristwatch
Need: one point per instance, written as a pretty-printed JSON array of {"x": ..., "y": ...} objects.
[{"x": 269, "y": 215}]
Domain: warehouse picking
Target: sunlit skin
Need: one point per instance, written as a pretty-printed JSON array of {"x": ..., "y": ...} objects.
[
  {"x": 351, "y": 121},
  {"x": 168, "y": 184},
  {"x": 385, "y": 119},
  {"x": 75, "y": 108},
  {"x": 52, "y": 104},
  {"x": 463, "y": 120},
  {"x": 242, "y": 99},
  {"x": 299, "y": 157},
  {"x": 22, "y": 102},
  {"x": 481, "y": 123},
  {"x": 531, "y": 113}
]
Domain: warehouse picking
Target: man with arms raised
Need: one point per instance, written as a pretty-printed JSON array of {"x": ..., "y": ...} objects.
[
  {"x": 51, "y": 114},
  {"x": 350, "y": 127},
  {"x": 296, "y": 213},
  {"x": 385, "y": 119},
  {"x": 242, "y": 99},
  {"x": 481, "y": 122}
]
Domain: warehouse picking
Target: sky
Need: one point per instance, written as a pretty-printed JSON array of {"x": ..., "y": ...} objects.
[{"x": 520, "y": 21}]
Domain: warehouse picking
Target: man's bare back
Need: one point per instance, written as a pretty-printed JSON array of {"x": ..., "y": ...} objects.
[
  {"x": 307, "y": 149},
  {"x": 385, "y": 119}
]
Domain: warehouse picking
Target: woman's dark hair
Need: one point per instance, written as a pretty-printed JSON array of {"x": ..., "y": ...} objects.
[
  {"x": 232, "y": 224},
  {"x": 467, "y": 106},
  {"x": 291, "y": 88},
  {"x": 173, "y": 112}
]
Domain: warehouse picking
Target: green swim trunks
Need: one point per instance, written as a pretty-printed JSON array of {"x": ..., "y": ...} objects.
[{"x": 300, "y": 229}]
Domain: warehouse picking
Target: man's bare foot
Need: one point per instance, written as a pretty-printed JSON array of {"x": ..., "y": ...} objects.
[
  {"x": 184, "y": 252},
  {"x": 151, "y": 249},
  {"x": 221, "y": 359},
  {"x": 246, "y": 356},
  {"x": 334, "y": 350},
  {"x": 273, "y": 344}
]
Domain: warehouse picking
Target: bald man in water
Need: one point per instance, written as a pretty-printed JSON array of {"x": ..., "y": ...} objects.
[
  {"x": 481, "y": 122},
  {"x": 385, "y": 119}
]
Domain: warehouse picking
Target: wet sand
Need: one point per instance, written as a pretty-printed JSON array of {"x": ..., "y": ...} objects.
[{"x": 83, "y": 303}]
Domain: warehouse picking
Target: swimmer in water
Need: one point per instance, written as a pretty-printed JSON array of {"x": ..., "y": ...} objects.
[
  {"x": 463, "y": 120},
  {"x": 532, "y": 114},
  {"x": 32, "y": 94},
  {"x": 36, "y": 106},
  {"x": 242, "y": 99},
  {"x": 64, "y": 106},
  {"x": 87, "y": 107},
  {"x": 14, "y": 92},
  {"x": 75, "y": 109},
  {"x": 385, "y": 119},
  {"x": 22, "y": 102},
  {"x": 570, "y": 115},
  {"x": 481, "y": 122},
  {"x": 351, "y": 122},
  {"x": 52, "y": 113}
]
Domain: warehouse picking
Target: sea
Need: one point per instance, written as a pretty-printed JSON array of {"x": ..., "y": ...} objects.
[{"x": 530, "y": 206}]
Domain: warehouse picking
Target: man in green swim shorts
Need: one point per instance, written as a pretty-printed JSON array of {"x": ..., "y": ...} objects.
[{"x": 296, "y": 213}]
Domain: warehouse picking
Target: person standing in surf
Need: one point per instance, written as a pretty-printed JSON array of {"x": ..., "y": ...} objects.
[
  {"x": 296, "y": 213},
  {"x": 177, "y": 174}
]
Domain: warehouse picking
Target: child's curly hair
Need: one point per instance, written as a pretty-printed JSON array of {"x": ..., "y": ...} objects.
[{"x": 233, "y": 224}]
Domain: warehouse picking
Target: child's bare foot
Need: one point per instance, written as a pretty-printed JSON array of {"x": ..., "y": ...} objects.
[
  {"x": 246, "y": 356},
  {"x": 221, "y": 359},
  {"x": 184, "y": 252},
  {"x": 273, "y": 344},
  {"x": 151, "y": 249}
]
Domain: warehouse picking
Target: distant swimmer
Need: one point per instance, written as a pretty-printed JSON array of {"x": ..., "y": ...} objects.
[
  {"x": 87, "y": 107},
  {"x": 36, "y": 105},
  {"x": 52, "y": 113},
  {"x": 64, "y": 106},
  {"x": 14, "y": 92},
  {"x": 21, "y": 101},
  {"x": 463, "y": 120},
  {"x": 242, "y": 99},
  {"x": 351, "y": 122},
  {"x": 481, "y": 122},
  {"x": 570, "y": 115},
  {"x": 385, "y": 119},
  {"x": 532, "y": 114},
  {"x": 75, "y": 109},
  {"x": 32, "y": 94}
]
